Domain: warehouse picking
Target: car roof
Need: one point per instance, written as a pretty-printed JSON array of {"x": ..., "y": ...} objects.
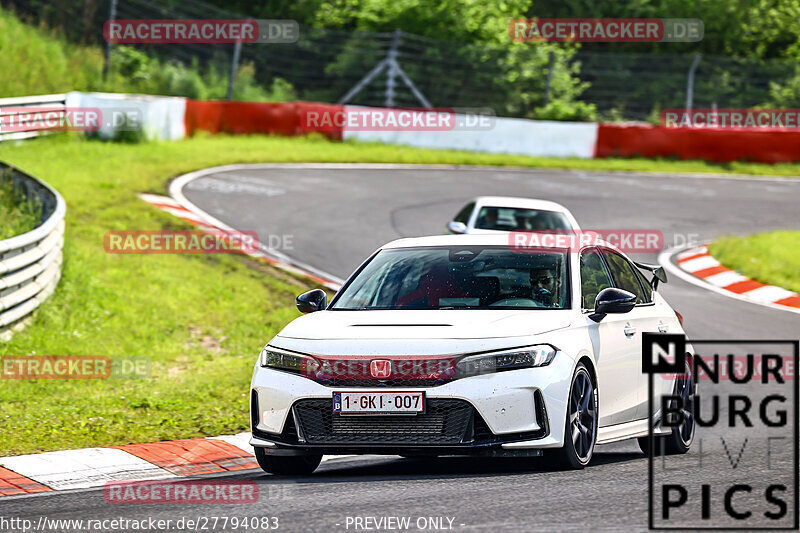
[
  {"x": 494, "y": 239},
  {"x": 524, "y": 203}
]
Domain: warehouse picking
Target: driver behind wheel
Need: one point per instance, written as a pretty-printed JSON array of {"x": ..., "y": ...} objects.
[
  {"x": 544, "y": 286},
  {"x": 489, "y": 218}
]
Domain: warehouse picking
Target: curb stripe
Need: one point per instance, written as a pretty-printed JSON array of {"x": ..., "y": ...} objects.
[
  {"x": 94, "y": 467},
  {"x": 710, "y": 271},
  {"x": 78, "y": 469},
  {"x": 723, "y": 279},
  {"x": 768, "y": 294},
  {"x": 7, "y": 489},
  {"x": 161, "y": 200},
  {"x": 184, "y": 214},
  {"x": 692, "y": 251},
  {"x": 701, "y": 262},
  {"x": 741, "y": 287},
  {"x": 192, "y": 457},
  {"x": 241, "y": 441},
  {"x": 697, "y": 262},
  {"x": 13, "y": 483},
  {"x": 693, "y": 255},
  {"x": 791, "y": 301}
]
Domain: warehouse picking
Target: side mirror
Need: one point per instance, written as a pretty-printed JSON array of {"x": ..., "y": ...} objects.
[
  {"x": 314, "y": 300},
  {"x": 456, "y": 227},
  {"x": 612, "y": 300}
]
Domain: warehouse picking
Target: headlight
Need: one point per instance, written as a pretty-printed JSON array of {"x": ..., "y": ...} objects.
[
  {"x": 529, "y": 357},
  {"x": 291, "y": 362}
]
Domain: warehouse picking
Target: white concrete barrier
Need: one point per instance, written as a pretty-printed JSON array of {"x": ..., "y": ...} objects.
[
  {"x": 541, "y": 138},
  {"x": 162, "y": 117}
]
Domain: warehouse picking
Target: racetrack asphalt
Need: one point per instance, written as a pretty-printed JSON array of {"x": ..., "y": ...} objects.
[{"x": 335, "y": 217}]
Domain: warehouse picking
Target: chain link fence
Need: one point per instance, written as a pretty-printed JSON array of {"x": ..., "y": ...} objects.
[
  {"x": 515, "y": 80},
  {"x": 639, "y": 86}
]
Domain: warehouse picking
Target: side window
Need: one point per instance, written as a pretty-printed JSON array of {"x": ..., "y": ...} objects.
[
  {"x": 625, "y": 277},
  {"x": 463, "y": 215},
  {"x": 594, "y": 277}
]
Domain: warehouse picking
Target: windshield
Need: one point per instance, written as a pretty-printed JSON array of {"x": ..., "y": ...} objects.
[
  {"x": 457, "y": 277},
  {"x": 515, "y": 219}
]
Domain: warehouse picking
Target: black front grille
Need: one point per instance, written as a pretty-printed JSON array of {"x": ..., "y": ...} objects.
[{"x": 445, "y": 422}]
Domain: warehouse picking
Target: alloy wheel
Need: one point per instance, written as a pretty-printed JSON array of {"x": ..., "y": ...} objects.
[
  {"x": 684, "y": 389},
  {"x": 582, "y": 416}
]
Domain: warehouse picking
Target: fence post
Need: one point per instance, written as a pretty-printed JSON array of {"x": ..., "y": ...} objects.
[
  {"x": 391, "y": 73},
  {"x": 112, "y": 14},
  {"x": 237, "y": 51},
  {"x": 393, "y": 69},
  {"x": 690, "y": 82},
  {"x": 550, "y": 60}
]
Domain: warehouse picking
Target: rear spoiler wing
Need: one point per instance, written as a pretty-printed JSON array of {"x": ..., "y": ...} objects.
[{"x": 659, "y": 274}]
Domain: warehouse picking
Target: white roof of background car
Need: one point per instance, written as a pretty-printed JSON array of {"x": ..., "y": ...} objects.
[
  {"x": 450, "y": 240},
  {"x": 491, "y": 239},
  {"x": 524, "y": 203}
]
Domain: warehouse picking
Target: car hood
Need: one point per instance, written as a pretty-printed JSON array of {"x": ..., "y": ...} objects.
[{"x": 431, "y": 324}]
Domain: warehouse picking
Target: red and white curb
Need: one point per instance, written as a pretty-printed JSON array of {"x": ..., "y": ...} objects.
[
  {"x": 93, "y": 467},
  {"x": 207, "y": 223},
  {"x": 697, "y": 266}
]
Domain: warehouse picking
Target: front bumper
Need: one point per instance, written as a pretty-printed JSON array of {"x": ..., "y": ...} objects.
[{"x": 517, "y": 412}]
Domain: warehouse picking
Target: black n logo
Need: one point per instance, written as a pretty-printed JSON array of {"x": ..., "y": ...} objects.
[{"x": 663, "y": 353}]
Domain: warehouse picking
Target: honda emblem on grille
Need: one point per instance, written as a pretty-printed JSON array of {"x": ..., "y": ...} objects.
[{"x": 380, "y": 368}]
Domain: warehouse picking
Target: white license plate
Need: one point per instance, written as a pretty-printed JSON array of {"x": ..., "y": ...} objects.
[{"x": 378, "y": 402}]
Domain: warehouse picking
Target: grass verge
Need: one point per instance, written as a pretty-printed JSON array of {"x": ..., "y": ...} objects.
[
  {"x": 772, "y": 258},
  {"x": 201, "y": 320},
  {"x": 17, "y": 214}
]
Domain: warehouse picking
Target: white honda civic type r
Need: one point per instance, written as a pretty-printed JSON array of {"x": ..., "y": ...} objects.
[{"x": 463, "y": 345}]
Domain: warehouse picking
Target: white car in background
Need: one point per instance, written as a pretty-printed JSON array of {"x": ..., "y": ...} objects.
[
  {"x": 492, "y": 214},
  {"x": 460, "y": 345}
]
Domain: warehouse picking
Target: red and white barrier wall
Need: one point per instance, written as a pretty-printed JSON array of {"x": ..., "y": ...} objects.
[
  {"x": 764, "y": 145},
  {"x": 171, "y": 118},
  {"x": 256, "y": 117}
]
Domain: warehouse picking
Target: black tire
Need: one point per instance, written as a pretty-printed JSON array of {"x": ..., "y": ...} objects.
[
  {"x": 579, "y": 438},
  {"x": 287, "y": 465},
  {"x": 680, "y": 440}
]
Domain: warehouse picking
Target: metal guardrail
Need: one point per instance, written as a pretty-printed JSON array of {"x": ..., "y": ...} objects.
[
  {"x": 10, "y": 107},
  {"x": 30, "y": 264}
]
